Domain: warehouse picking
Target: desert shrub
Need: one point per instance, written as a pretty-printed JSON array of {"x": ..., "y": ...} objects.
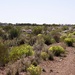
[
  {"x": 74, "y": 33},
  {"x": 44, "y": 55},
  {"x": 69, "y": 35},
  {"x": 57, "y": 50},
  {"x": 57, "y": 38},
  {"x": 69, "y": 41},
  {"x": 1, "y": 32},
  {"x": 34, "y": 62},
  {"x": 19, "y": 51},
  {"x": 56, "y": 35},
  {"x": 39, "y": 43},
  {"x": 34, "y": 70},
  {"x": 62, "y": 37},
  {"x": 3, "y": 54},
  {"x": 7, "y": 28},
  {"x": 37, "y": 30},
  {"x": 5, "y": 36},
  {"x": 65, "y": 28},
  {"x": 47, "y": 39},
  {"x": 51, "y": 55},
  {"x": 32, "y": 40},
  {"x": 14, "y": 32}
]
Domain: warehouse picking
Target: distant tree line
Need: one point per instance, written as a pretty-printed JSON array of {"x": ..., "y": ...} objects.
[{"x": 34, "y": 24}]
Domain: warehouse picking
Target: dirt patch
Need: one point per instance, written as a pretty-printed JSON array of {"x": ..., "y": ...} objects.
[{"x": 59, "y": 66}]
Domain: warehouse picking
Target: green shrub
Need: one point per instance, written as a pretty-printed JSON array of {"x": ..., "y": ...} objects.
[
  {"x": 1, "y": 32},
  {"x": 63, "y": 37},
  {"x": 3, "y": 54},
  {"x": 65, "y": 28},
  {"x": 44, "y": 55},
  {"x": 8, "y": 27},
  {"x": 69, "y": 41},
  {"x": 74, "y": 33},
  {"x": 57, "y": 50},
  {"x": 34, "y": 70},
  {"x": 47, "y": 39},
  {"x": 37, "y": 30},
  {"x": 19, "y": 51},
  {"x": 69, "y": 35},
  {"x": 14, "y": 32}
]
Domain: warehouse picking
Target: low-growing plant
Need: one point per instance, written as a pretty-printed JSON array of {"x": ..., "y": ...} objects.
[
  {"x": 19, "y": 51},
  {"x": 56, "y": 35},
  {"x": 34, "y": 70},
  {"x": 69, "y": 35},
  {"x": 8, "y": 27},
  {"x": 51, "y": 55},
  {"x": 57, "y": 50},
  {"x": 3, "y": 54},
  {"x": 44, "y": 55},
  {"x": 74, "y": 33},
  {"x": 14, "y": 32},
  {"x": 69, "y": 41},
  {"x": 47, "y": 39},
  {"x": 62, "y": 37},
  {"x": 65, "y": 28},
  {"x": 37, "y": 30}
]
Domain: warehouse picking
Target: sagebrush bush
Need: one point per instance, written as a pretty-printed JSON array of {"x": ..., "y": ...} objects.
[
  {"x": 56, "y": 35},
  {"x": 44, "y": 55},
  {"x": 34, "y": 70},
  {"x": 69, "y": 41},
  {"x": 19, "y": 51},
  {"x": 57, "y": 50}
]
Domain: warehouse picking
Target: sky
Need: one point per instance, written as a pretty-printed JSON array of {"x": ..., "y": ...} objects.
[{"x": 37, "y": 11}]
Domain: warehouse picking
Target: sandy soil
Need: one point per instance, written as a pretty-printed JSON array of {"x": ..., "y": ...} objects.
[{"x": 59, "y": 66}]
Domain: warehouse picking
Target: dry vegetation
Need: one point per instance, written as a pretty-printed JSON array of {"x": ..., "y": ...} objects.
[{"x": 25, "y": 49}]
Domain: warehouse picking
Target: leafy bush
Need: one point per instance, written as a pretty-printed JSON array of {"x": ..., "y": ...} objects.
[
  {"x": 34, "y": 70},
  {"x": 69, "y": 41},
  {"x": 57, "y": 50},
  {"x": 44, "y": 55},
  {"x": 19, "y": 51}
]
